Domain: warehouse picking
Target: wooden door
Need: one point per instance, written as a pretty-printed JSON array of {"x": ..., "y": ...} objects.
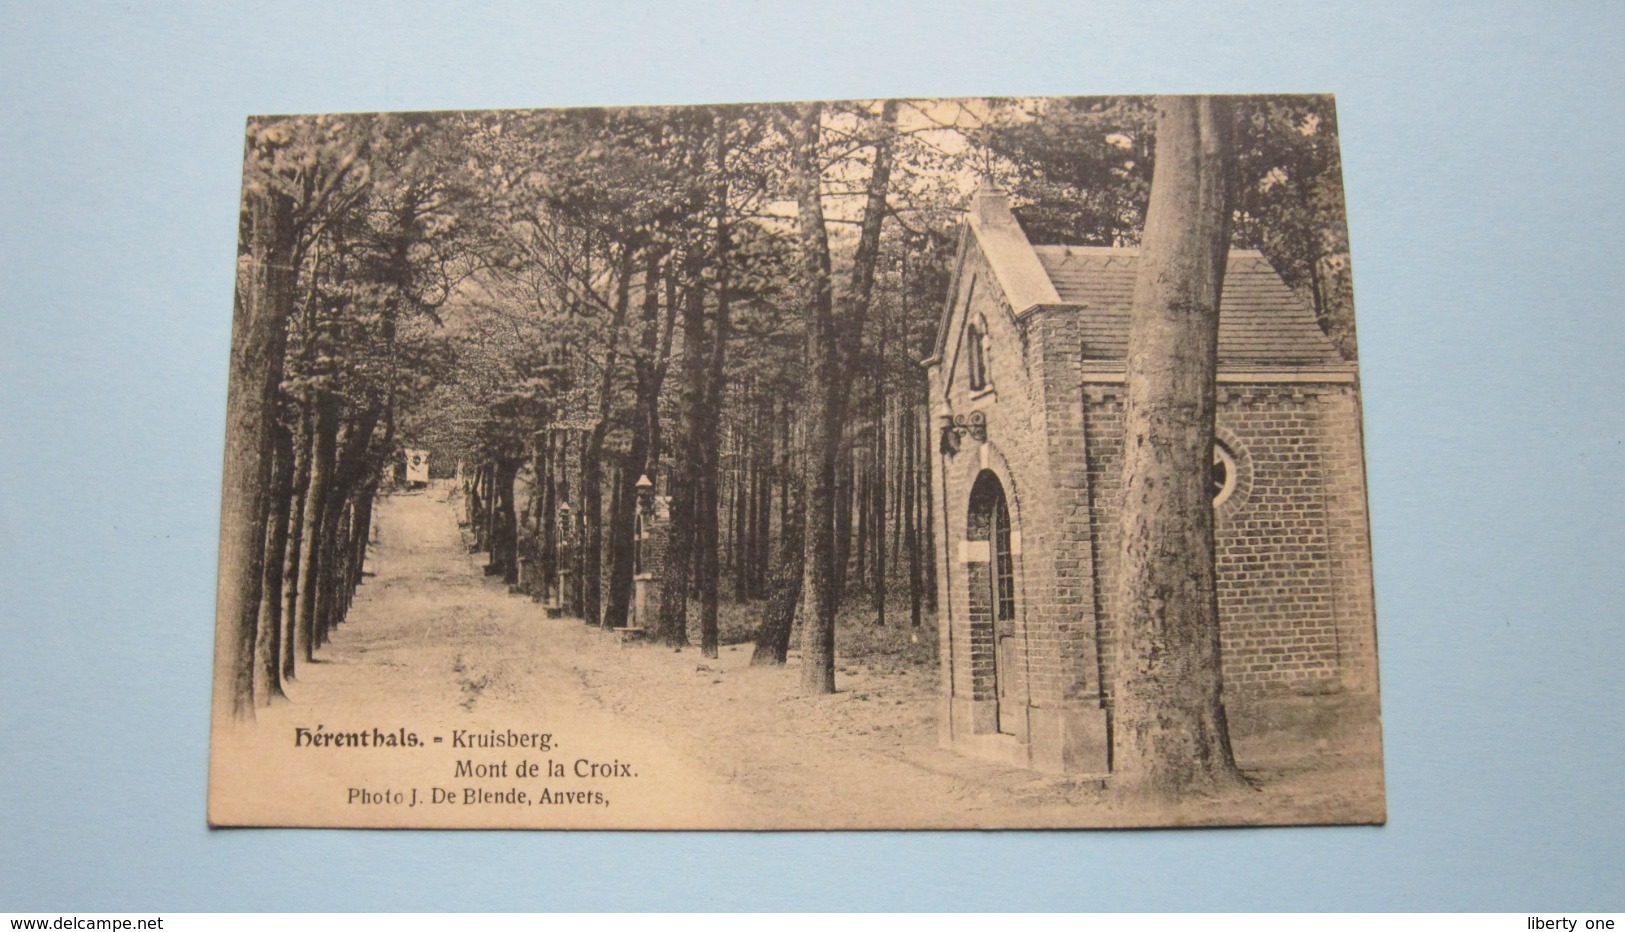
[{"x": 1003, "y": 581}]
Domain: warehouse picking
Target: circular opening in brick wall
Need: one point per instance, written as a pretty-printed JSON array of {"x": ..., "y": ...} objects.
[{"x": 1223, "y": 482}]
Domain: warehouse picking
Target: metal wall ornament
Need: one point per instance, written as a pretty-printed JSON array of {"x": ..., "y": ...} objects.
[{"x": 956, "y": 426}]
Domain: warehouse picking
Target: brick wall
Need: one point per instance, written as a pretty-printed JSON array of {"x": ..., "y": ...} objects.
[
  {"x": 1011, "y": 452},
  {"x": 1065, "y": 626},
  {"x": 1349, "y": 531},
  {"x": 1035, "y": 447},
  {"x": 1289, "y": 538}
]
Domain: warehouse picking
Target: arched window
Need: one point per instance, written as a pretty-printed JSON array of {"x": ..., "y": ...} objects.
[
  {"x": 1004, "y": 568},
  {"x": 1223, "y": 481},
  {"x": 976, "y": 359}
]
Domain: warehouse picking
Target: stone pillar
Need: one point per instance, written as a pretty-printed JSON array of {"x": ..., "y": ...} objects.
[
  {"x": 552, "y": 599},
  {"x": 652, "y": 530},
  {"x": 564, "y": 564}
]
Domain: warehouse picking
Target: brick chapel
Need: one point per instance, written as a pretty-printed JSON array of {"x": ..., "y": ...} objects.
[{"x": 1026, "y": 389}]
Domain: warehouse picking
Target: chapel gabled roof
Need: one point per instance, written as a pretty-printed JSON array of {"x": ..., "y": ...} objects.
[
  {"x": 1261, "y": 322},
  {"x": 1263, "y": 325}
]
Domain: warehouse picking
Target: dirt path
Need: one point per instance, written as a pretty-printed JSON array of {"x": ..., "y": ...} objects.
[
  {"x": 738, "y": 741},
  {"x": 434, "y": 646}
]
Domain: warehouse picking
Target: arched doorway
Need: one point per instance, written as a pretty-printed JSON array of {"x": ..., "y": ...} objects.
[{"x": 992, "y": 580}]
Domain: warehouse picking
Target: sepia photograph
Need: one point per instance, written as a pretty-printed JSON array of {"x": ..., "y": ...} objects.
[{"x": 966, "y": 463}]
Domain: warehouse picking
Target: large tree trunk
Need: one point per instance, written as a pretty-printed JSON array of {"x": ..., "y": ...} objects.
[
  {"x": 473, "y": 507},
  {"x": 488, "y": 532},
  {"x": 592, "y": 459},
  {"x": 784, "y": 587},
  {"x": 504, "y": 557},
  {"x": 880, "y": 477},
  {"x": 593, "y": 530},
  {"x": 822, "y": 420},
  {"x": 328, "y": 550},
  {"x": 362, "y": 532},
  {"x": 709, "y": 570},
  {"x": 679, "y": 569},
  {"x": 349, "y": 479},
  {"x": 761, "y": 553},
  {"x": 324, "y": 439},
  {"x": 783, "y": 574},
  {"x": 1169, "y": 733},
  {"x": 258, "y": 344},
  {"x": 622, "y": 535},
  {"x": 476, "y": 507},
  {"x": 332, "y": 550},
  {"x": 592, "y": 509},
  {"x": 268, "y": 641},
  {"x": 928, "y": 510},
  {"x": 843, "y": 506},
  {"x": 378, "y": 458},
  {"x": 303, "y": 446},
  {"x": 911, "y": 513},
  {"x": 645, "y": 429},
  {"x": 570, "y": 542},
  {"x": 710, "y": 441},
  {"x": 547, "y": 503},
  {"x": 742, "y": 516},
  {"x": 829, "y": 354},
  {"x": 335, "y": 569}
]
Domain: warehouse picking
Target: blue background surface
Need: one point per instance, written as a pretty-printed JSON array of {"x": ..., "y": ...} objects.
[{"x": 1482, "y": 149}]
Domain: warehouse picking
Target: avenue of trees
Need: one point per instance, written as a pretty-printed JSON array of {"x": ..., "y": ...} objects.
[{"x": 731, "y": 301}]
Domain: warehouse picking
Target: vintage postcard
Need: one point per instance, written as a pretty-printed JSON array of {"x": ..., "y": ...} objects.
[{"x": 950, "y": 463}]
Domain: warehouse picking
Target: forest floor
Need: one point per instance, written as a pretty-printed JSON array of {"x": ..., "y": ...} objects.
[{"x": 430, "y": 636}]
